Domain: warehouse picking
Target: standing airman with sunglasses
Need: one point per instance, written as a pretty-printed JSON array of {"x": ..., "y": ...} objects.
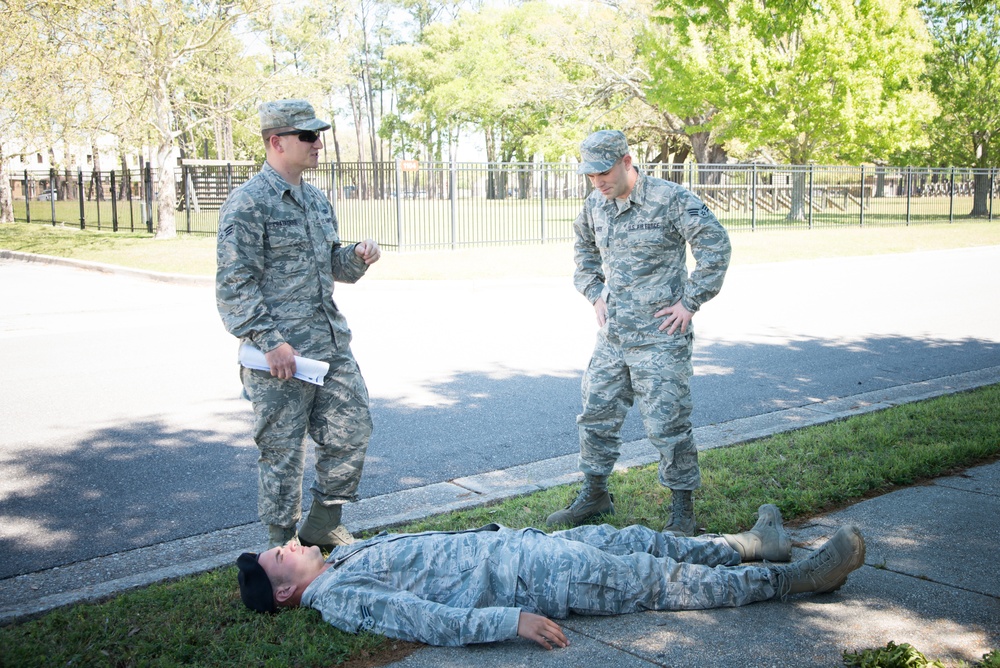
[{"x": 279, "y": 253}]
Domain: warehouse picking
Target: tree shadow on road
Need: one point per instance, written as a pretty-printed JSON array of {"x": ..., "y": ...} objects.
[{"x": 147, "y": 482}]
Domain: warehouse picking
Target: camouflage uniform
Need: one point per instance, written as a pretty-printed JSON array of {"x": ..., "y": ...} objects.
[
  {"x": 469, "y": 587},
  {"x": 632, "y": 253},
  {"x": 278, "y": 258}
]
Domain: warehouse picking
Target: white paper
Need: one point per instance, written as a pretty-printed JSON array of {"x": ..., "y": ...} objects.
[{"x": 309, "y": 370}]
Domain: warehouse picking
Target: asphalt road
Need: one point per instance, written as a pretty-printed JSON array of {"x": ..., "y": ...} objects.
[{"x": 122, "y": 424}]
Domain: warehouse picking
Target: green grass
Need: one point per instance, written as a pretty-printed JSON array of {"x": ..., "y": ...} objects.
[
  {"x": 195, "y": 254},
  {"x": 200, "y": 620}
]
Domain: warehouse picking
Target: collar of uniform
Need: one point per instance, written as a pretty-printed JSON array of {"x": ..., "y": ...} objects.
[
  {"x": 635, "y": 197},
  {"x": 274, "y": 179},
  {"x": 638, "y": 194},
  {"x": 279, "y": 184}
]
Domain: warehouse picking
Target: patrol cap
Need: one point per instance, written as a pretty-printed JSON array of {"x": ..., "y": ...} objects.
[
  {"x": 298, "y": 114},
  {"x": 255, "y": 586},
  {"x": 601, "y": 150}
]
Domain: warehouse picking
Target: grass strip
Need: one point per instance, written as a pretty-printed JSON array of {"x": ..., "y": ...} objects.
[
  {"x": 200, "y": 621},
  {"x": 195, "y": 254}
]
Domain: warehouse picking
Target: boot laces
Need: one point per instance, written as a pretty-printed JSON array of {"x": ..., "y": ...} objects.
[{"x": 586, "y": 494}]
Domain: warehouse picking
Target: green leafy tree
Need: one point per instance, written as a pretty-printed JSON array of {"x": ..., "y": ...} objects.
[
  {"x": 153, "y": 48},
  {"x": 807, "y": 81},
  {"x": 964, "y": 73},
  {"x": 22, "y": 79},
  {"x": 606, "y": 60},
  {"x": 310, "y": 46},
  {"x": 687, "y": 81},
  {"x": 494, "y": 71}
]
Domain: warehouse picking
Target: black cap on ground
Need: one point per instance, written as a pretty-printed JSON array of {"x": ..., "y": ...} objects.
[{"x": 255, "y": 586}]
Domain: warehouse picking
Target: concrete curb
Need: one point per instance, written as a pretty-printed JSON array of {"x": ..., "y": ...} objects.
[
  {"x": 179, "y": 279},
  {"x": 36, "y": 593}
]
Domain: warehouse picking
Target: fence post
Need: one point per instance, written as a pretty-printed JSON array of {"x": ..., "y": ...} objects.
[
  {"x": 53, "y": 193},
  {"x": 399, "y": 204},
  {"x": 333, "y": 187},
  {"x": 753, "y": 198},
  {"x": 909, "y": 187},
  {"x": 453, "y": 196},
  {"x": 148, "y": 197},
  {"x": 187, "y": 196},
  {"x": 27, "y": 198},
  {"x": 861, "y": 198},
  {"x": 79, "y": 182},
  {"x": 541, "y": 192},
  {"x": 114, "y": 204},
  {"x": 993, "y": 173},
  {"x": 128, "y": 192},
  {"x": 951, "y": 198},
  {"x": 811, "y": 165},
  {"x": 97, "y": 195},
  {"x": 691, "y": 175}
]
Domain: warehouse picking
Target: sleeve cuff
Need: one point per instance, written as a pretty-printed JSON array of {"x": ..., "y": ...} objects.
[
  {"x": 508, "y": 626},
  {"x": 267, "y": 341}
]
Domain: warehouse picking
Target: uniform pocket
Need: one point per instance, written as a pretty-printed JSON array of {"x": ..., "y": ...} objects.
[{"x": 654, "y": 298}]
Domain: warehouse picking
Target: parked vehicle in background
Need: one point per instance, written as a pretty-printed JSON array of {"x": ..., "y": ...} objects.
[{"x": 48, "y": 195}]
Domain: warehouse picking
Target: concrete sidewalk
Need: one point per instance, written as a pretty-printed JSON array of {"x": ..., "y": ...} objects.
[{"x": 930, "y": 579}]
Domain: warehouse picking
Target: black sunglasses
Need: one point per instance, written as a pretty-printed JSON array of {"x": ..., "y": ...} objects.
[{"x": 307, "y": 136}]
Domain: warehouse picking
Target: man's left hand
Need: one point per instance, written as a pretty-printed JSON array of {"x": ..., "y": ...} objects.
[
  {"x": 542, "y": 630},
  {"x": 673, "y": 317},
  {"x": 368, "y": 251}
]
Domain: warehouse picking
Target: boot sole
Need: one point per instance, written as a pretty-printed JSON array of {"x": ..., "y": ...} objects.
[
  {"x": 583, "y": 520},
  {"x": 783, "y": 553}
]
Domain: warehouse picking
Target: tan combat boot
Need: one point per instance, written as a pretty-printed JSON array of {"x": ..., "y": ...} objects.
[
  {"x": 827, "y": 568},
  {"x": 323, "y": 528},
  {"x": 681, "y": 521},
  {"x": 278, "y": 535},
  {"x": 592, "y": 501},
  {"x": 767, "y": 540}
]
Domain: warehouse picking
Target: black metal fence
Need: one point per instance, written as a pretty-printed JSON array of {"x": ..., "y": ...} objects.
[
  {"x": 115, "y": 200},
  {"x": 408, "y": 205}
]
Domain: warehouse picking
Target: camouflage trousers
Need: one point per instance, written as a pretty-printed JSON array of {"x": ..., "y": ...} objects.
[
  {"x": 656, "y": 377},
  {"x": 336, "y": 417},
  {"x": 633, "y": 569}
]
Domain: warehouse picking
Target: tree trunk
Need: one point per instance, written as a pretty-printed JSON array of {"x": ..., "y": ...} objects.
[
  {"x": 981, "y": 195},
  {"x": 797, "y": 210},
  {"x": 356, "y": 113},
  {"x": 981, "y": 183},
  {"x": 492, "y": 185},
  {"x": 224, "y": 138},
  {"x": 6, "y": 198},
  {"x": 95, "y": 189},
  {"x": 58, "y": 186},
  {"x": 125, "y": 186},
  {"x": 367, "y": 88},
  {"x": 336, "y": 142},
  {"x": 707, "y": 152},
  {"x": 166, "y": 194},
  {"x": 798, "y": 156}
]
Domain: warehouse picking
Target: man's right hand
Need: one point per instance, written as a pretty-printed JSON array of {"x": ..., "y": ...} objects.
[
  {"x": 542, "y": 630},
  {"x": 601, "y": 309},
  {"x": 282, "y": 361}
]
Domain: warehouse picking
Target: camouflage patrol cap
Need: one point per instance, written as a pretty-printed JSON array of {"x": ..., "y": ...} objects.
[
  {"x": 601, "y": 150},
  {"x": 255, "y": 586},
  {"x": 296, "y": 114}
]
